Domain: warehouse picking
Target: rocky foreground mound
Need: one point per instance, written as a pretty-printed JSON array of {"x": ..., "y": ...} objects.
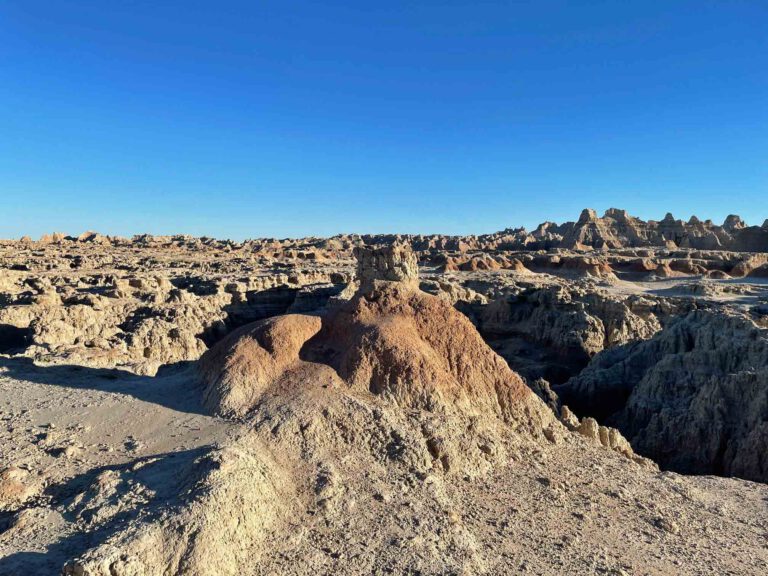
[
  {"x": 694, "y": 397},
  {"x": 409, "y": 347},
  {"x": 386, "y": 437},
  {"x": 395, "y": 384},
  {"x": 391, "y": 389}
]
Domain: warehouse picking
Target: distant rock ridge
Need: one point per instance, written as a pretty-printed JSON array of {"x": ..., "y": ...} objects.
[{"x": 616, "y": 229}]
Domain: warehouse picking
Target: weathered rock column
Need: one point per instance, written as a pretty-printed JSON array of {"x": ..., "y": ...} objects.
[{"x": 395, "y": 263}]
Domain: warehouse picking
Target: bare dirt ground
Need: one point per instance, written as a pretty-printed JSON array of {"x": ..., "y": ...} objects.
[{"x": 69, "y": 425}]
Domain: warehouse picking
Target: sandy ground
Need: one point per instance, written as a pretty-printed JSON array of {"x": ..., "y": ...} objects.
[{"x": 68, "y": 424}]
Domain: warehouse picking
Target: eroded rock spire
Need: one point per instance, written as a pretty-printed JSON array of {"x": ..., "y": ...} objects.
[{"x": 395, "y": 263}]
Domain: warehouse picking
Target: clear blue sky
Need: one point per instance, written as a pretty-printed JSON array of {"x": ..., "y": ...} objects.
[{"x": 249, "y": 119}]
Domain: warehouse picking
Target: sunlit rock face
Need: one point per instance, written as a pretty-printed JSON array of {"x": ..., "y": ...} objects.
[{"x": 395, "y": 263}]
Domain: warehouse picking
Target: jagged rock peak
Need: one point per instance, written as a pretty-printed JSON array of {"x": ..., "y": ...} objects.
[
  {"x": 587, "y": 215},
  {"x": 617, "y": 214},
  {"x": 394, "y": 263},
  {"x": 694, "y": 220},
  {"x": 734, "y": 222},
  {"x": 668, "y": 219}
]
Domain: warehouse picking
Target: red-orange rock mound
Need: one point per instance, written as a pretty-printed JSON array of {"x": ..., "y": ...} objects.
[
  {"x": 248, "y": 361},
  {"x": 395, "y": 341}
]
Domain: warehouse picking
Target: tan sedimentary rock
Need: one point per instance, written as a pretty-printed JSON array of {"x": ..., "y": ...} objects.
[
  {"x": 395, "y": 263},
  {"x": 391, "y": 339},
  {"x": 235, "y": 496},
  {"x": 693, "y": 397},
  {"x": 17, "y": 486},
  {"x": 250, "y": 360}
]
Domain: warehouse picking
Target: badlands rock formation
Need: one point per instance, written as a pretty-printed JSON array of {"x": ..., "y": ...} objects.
[
  {"x": 617, "y": 229},
  {"x": 694, "y": 397},
  {"x": 554, "y": 331},
  {"x": 158, "y": 307},
  {"x": 393, "y": 263},
  {"x": 387, "y": 404},
  {"x": 390, "y": 340}
]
